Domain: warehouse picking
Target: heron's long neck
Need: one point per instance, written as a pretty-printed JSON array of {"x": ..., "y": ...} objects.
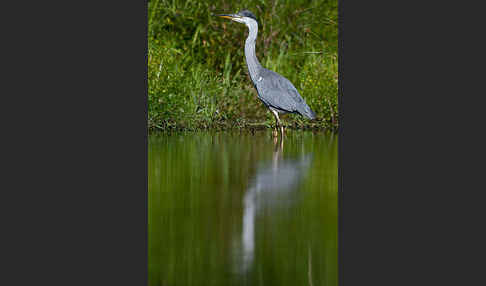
[{"x": 251, "y": 59}]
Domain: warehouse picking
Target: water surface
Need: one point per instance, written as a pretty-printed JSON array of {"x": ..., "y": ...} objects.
[{"x": 242, "y": 209}]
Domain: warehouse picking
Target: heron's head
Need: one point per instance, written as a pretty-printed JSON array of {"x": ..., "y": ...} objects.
[{"x": 245, "y": 17}]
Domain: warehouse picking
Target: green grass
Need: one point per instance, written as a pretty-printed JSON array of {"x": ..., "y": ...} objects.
[{"x": 197, "y": 75}]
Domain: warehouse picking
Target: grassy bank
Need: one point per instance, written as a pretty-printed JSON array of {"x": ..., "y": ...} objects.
[{"x": 197, "y": 76}]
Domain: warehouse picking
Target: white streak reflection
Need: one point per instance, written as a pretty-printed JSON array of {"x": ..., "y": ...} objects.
[{"x": 274, "y": 186}]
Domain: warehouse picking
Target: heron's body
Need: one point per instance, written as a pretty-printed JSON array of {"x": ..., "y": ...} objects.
[{"x": 275, "y": 91}]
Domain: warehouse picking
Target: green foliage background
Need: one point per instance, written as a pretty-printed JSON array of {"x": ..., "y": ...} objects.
[{"x": 197, "y": 75}]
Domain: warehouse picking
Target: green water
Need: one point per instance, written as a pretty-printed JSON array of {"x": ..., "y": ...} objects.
[{"x": 242, "y": 209}]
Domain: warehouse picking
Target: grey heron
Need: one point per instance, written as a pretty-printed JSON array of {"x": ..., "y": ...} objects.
[{"x": 275, "y": 91}]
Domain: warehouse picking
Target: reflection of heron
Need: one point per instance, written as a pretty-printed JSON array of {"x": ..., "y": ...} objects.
[
  {"x": 274, "y": 186},
  {"x": 274, "y": 90}
]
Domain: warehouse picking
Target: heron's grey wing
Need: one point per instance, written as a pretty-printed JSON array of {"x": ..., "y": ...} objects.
[
  {"x": 277, "y": 91},
  {"x": 275, "y": 99}
]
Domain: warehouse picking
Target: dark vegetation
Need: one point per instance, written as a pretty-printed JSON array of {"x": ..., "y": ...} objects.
[{"x": 197, "y": 76}]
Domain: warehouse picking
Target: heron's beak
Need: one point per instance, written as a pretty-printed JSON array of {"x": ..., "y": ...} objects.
[{"x": 228, "y": 16}]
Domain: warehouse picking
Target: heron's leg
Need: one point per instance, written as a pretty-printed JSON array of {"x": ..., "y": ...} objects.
[
  {"x": 277, "y": 122},
  {"x": 280, "y": 124}
]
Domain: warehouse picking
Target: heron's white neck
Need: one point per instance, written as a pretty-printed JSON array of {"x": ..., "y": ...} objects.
[{"x": 251, "y": 59}]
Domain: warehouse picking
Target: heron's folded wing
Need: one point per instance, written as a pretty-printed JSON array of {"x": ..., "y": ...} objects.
[
  {"x": 277, "y": 91},
  {"x": 278, "y": 99}
]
